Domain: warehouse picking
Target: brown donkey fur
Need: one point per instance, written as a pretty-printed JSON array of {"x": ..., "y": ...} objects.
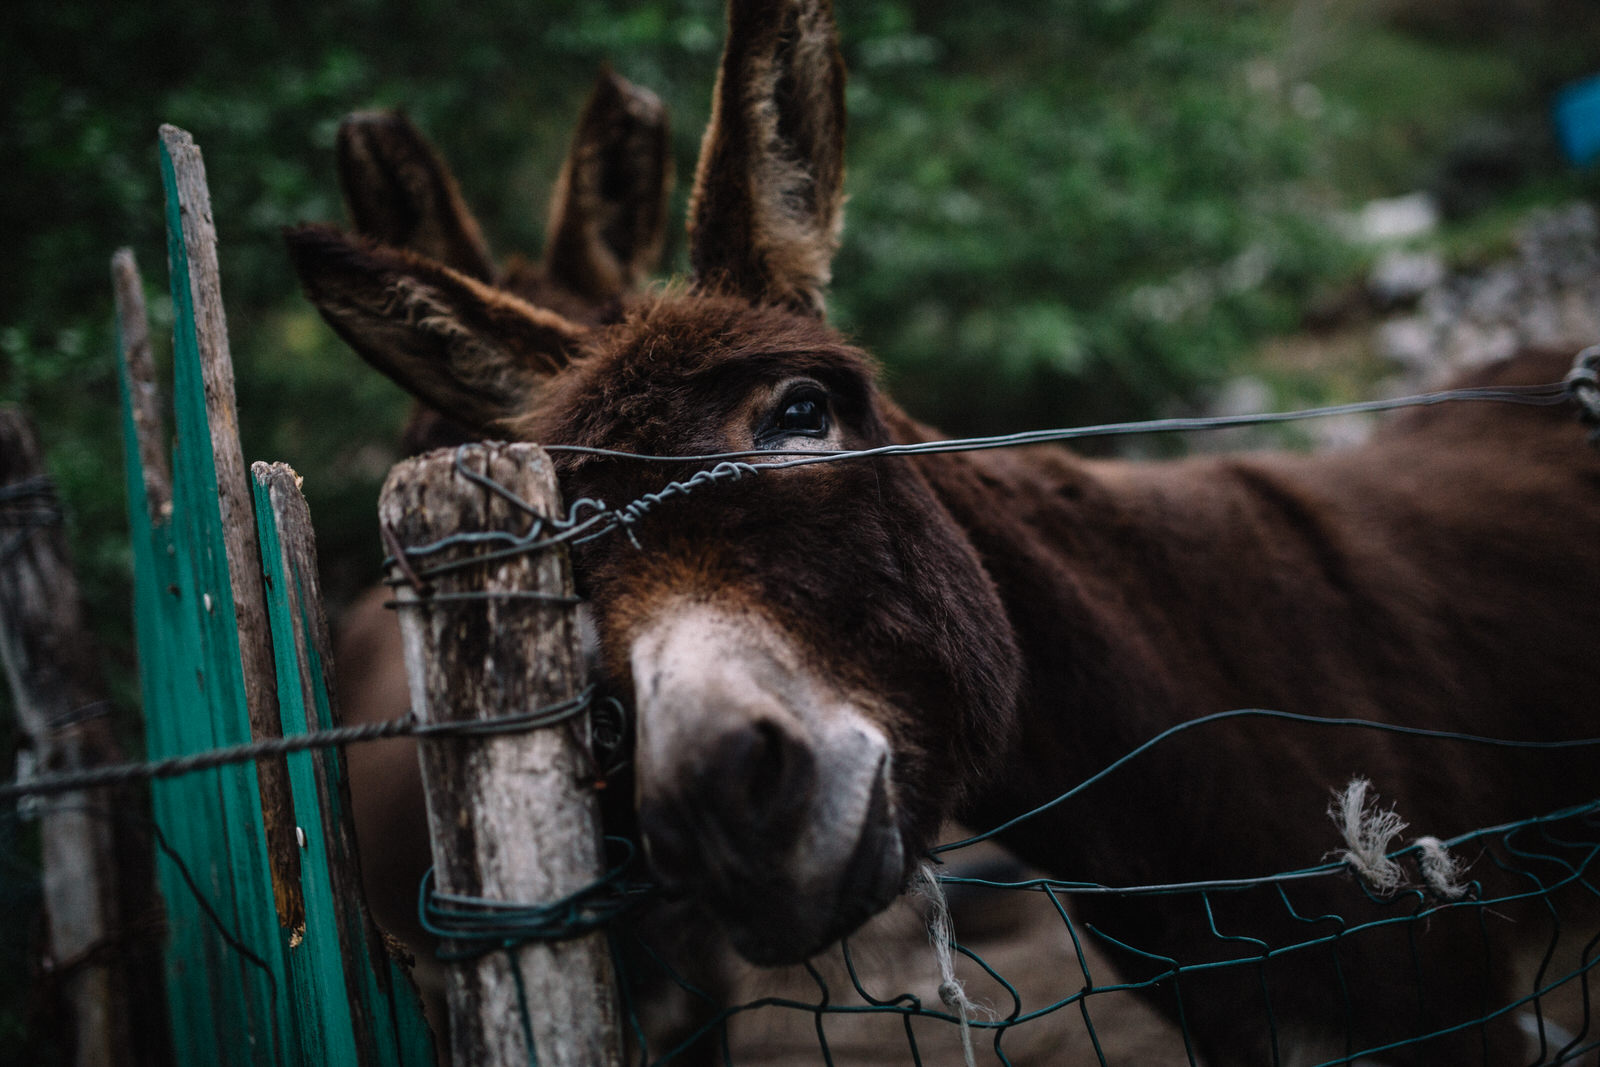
[{"x": 828, "y": 661}]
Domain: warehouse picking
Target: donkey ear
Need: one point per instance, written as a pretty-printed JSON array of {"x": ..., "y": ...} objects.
[
  {"x": 472, "y": 351},
  {"x": 608, "y": 213},
  {"x": 400, "y": 192},
  {"x": 765, "y": 214}
]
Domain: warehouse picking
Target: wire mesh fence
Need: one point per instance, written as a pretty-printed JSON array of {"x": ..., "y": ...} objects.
[
  {"x": 1047, "y": 982},
  {"x": 1403, "y": 975},
  {"x": 1377, "y": 954}
]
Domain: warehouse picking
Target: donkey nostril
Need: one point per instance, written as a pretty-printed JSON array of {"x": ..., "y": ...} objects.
[
  {"x": 764, "y": 765},
  {"x": 740, "y": 805},
  {"x": 759, "y": 780}
]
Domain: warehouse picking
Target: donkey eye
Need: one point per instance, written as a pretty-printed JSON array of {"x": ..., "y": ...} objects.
[{"x": 804, "y": 414}]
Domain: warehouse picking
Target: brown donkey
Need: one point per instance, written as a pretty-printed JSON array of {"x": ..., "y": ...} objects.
[{"x": 827, "y": 661}]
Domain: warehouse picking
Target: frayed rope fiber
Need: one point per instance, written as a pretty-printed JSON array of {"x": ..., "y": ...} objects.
[
  {"x": 1369, "y": 833},
  {"x": 1440, "y": 870},
  {"x": 941, "y": 935}
]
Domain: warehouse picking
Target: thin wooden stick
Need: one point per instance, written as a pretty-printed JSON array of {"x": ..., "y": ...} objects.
[
  {"x": 133, "y": 324},
  {"x": 197, "y": 285}
]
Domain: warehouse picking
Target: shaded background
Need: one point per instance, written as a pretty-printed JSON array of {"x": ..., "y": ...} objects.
[{"x": 1060, "y": 210}]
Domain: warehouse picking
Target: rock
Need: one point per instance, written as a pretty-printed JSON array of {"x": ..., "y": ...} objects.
[
  {"x": 1397, "y": 218},
  {"x": 1548, "y": 294},
  {"x": 1400, "y": 278}
]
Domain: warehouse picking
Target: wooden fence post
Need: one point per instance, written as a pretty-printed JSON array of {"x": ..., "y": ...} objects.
[
  {"x": 56, "y": 686},
  {"x": 511, "y": 816}
]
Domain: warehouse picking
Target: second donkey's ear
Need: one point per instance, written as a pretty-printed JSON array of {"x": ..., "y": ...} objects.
[
  {"x": 472, "y": 351},
  {"x": 608, "y": 212},
  {"x": 765, "y": 215},
  {"x": 400, "y": 192}
]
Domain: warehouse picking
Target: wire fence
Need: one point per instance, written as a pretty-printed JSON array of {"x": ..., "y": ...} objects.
[
  {"x": 1544, "y": 863},
  {"x": 1547, "y": 863},
  {"x": 621, "y": 896}
]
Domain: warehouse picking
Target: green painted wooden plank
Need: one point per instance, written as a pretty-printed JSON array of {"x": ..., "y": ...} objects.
[
  {"x": 336, "y": 966},
  {"x": 242, "y": 990},
  {"x": 154, "y": 572},
  {"x": 323, "y": 1021}
]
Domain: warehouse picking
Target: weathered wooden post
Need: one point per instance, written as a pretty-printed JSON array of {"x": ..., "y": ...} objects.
[
  {"x": 511, "y": 815},
  {"x": 56, "y": 685}
]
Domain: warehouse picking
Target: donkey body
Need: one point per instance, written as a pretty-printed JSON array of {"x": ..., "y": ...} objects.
[{"x": 828, "y": 661}]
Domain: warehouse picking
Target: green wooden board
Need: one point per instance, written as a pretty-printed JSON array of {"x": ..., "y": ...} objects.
[
  {"x": 240, "y": 989},
  {"x": 346, "y": 988}
]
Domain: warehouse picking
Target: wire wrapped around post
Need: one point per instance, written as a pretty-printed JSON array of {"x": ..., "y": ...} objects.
[{"x": 513, "y": 816}]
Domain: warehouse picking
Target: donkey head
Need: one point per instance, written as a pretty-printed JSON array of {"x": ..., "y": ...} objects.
[{"x": 816, "y": 656}]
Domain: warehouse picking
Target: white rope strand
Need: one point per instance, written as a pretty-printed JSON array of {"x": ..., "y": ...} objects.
[
  {"x": 940, "y": 935},
  {"x": 1368, "y": 832},
  {"x": 1440, "y": 870}
]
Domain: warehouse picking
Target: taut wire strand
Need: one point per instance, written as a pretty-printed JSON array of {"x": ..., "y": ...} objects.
[
  {"x": 588, "y": 518},
  {"x": 1548, "y": 395}
]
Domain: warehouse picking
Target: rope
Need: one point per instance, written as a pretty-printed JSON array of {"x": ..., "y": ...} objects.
[
  {"x": 1441, "y": 872},
  {"x": 941, "y": 935},
  {"x": 1368, "y": 833}
]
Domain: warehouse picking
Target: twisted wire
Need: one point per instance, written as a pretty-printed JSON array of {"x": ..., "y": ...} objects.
[
  {"x": 475, "y": 926},
  {"x": 405, "y": 726},
  {"x": 588, "y": 519}
]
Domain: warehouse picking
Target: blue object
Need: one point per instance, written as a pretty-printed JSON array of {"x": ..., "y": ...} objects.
[{"x": 1577, "y": 117}]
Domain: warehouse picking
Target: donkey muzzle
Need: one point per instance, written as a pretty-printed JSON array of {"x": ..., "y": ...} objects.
[{"x": 764, "y": 791}]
